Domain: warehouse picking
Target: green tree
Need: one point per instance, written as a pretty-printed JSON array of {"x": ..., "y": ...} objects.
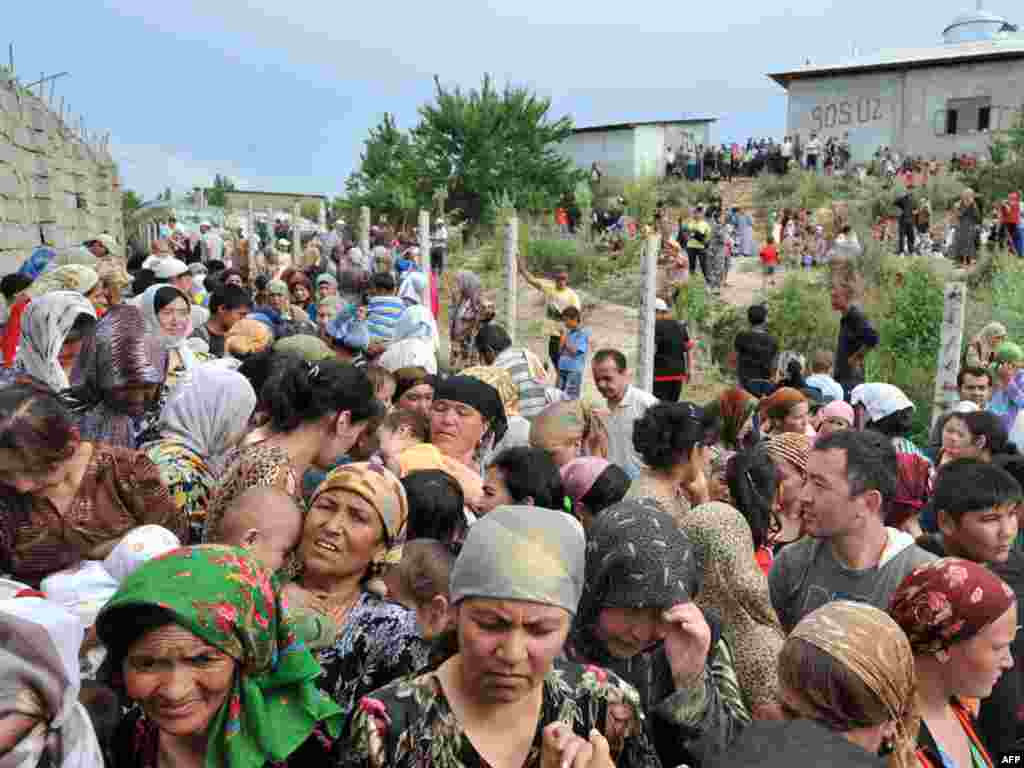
[
  {"x": 483, "y": 142},
  {"x": 215, "y": 194},
  {"x": 386, "y": 179},
  {"x": 130, "y": 202}
]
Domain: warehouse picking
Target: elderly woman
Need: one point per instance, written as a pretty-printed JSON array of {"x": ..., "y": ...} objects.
[
  {"x": 736, "y": 589},
  {"x": 786, "y": 410},
  {"x": 505, "y": 697},
  {"x": 593, "y": 484},
  {"x": 53, "y": 330},
  {"x": 671, "y": 438},
  {"x": 638, "y": 618},
  {"x": 981, "y": 350},
  {"x": 317, "y": 413},
  {"x": 168, "y": 315},
  {"x": 63, "y": 498},
  {"x": 468, "y": 311},
  {"x": 960, "y": 619},
  {"x": 517, "y": 428},
  {"x": 327, "y": 309},
  {"x": 415, "y": 341},
  {"x": 121, "y": 372},
  {"x": 355, "y": 529},
  {"x": 568, "y": 430},
  {"x": 43, "y": 724},
  {"x": 287, "y": 319},
  {"x": 200, "y": 642},
  {"x": 198, "y": 426},
  {"x": 467, "y": 419},
  {"x": 847, "y": 684}
]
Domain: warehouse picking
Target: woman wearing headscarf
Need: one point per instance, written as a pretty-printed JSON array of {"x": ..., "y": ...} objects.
[
  {"x": 568, "y": 430},
  {"x": 414, "y": 390},
  {"x": 965, "y": 243},
  {"x": 734, "y": 409},
  {"x": 121, "y": 373},
  {"x": 65, "y": 498},
  {"x": 788, "y": 452},
  {"x": 468, "y": 311},
  {"x": 167, "y": 312},
  {"x": 960, "y": 619},
  {"x": 637, "y": 617},
  {"x": 286, "y": 318},
  {"x": 317, "y": 413},
  {"x": 786, "y": 410},
  {"x": 505, "y": 697},
  {"x": 355, "y": 528},
  {"x": 1007, "y": 384},
  {"x": 517, "y": 429},
  {"x": 736, "y": 589},
  {"x": 200, "y": 642},
  {"x": 53, "y": 330},
  {"x": 248, "y": 336},
  {"x": 467, "y": 419},
  {"x": 327, "y": 309},
  {"x": 44, "y": 725},
  {"x": 847, "y": 684},
  {"x": 888, "y": 410},
  {"x": 200, "y": 423},
  {"x": 593, "y": 484},
  {"x": 415, "y": 341},
  {"x": 981, "y": 350}
]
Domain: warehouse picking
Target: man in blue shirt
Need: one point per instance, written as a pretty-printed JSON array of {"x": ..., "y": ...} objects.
[{"x": 572, "y": 355}]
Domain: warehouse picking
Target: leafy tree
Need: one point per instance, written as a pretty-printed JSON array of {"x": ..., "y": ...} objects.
[
  {"x": 310, "y": 210},
  {"x": 215, "y": 194},
  {"x": 482, "y": 142},
  {"x": 386, "y": 179},
  {"x": 130, "y": 202}
]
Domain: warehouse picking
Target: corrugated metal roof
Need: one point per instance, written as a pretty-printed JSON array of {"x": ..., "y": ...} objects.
[
  {"x": 626, "y": 126},
  {"x": 1009, "y": 46}
]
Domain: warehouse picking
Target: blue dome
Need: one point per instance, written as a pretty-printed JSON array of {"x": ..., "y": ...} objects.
[{"x": 973, "y": 26}]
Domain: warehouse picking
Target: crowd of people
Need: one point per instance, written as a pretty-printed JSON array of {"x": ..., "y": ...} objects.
[{"x": 255, "y": 522}]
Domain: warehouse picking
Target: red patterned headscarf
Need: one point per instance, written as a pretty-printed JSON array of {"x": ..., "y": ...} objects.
[{"x": 946, "y": 602}]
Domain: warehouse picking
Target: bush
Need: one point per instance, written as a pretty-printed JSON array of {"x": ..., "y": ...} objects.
[
  {"x": 992, "y": 183},
  {"x": 800, "y": 314}
]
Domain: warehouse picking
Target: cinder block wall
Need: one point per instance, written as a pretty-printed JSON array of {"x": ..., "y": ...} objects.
[{"x": 52, "y": 184}]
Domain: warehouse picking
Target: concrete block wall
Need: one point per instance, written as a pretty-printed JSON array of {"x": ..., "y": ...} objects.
[{"x": 52, "y": 184}]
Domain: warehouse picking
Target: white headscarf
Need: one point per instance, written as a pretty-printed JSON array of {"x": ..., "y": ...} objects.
[
  {"x": 44, "y": 327},
  {"x": 879, "y": 399},
  {"x": 40, "y": 676},
  {"x": 208, "y": 410},
  {"x": 414, "y": 288},
  {"x": 138, "y": 546},
  {"x": 180, "y": 345}
]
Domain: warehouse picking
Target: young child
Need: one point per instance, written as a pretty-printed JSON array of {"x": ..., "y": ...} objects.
[
  {"x": 572, "y": 355},
  {"x": 384, "y": 308},
  {"x": 420, "y": 583},
  {"x": 769, "y": 261},
  {"x": 399, "y": 430}
]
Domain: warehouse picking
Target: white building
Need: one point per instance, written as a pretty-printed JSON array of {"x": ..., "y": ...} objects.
[{"x": 923, "y": 101}]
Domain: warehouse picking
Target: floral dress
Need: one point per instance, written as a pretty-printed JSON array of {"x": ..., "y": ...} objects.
[
  {"x": 378, "y": 643},
  {"x": 409, "y": 724},
  {"x": 188, "y": 480}
]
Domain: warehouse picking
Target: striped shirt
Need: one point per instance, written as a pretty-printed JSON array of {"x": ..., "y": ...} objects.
[{"x": 381, "y": 315}]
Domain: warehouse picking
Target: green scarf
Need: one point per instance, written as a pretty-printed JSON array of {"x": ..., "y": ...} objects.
[{"x": 223, "y": 596}]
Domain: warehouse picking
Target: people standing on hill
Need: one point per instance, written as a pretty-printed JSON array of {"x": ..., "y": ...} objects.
[
  {"x": 558, "y": 297},
  {"x": 673, "y": 354},
  {"x": 856, "y": 333},
  {"x": 756, "y": 350},
  {"x": 965, "y": 242}
]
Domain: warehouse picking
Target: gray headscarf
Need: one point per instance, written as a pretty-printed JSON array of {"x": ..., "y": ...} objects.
[
  {"x": 522, "y": 553},
  {"x": 209, "y": 410}
]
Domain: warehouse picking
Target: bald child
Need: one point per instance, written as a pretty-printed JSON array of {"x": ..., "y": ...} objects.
[{"x": 265, "y": 521}]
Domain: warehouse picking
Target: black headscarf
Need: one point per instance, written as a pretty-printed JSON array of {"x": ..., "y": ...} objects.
[{"x": 478, "y": 394}]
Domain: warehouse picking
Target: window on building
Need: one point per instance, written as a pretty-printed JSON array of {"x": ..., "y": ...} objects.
[{"x": 968, "y": 115}]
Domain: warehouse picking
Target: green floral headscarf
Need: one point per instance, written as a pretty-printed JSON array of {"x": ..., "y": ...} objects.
[{"x": 223, "y": 596}]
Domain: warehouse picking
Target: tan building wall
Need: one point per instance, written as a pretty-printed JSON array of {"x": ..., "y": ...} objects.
[
  {"x": 50, "y": 180},
  {"x": 239, "y": 201}
]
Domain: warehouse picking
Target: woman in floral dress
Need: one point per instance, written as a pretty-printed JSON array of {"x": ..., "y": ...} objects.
[{"x": 505, "y": 698}]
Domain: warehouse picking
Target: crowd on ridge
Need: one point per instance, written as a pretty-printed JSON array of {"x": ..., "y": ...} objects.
[{"x": 249, "y": 517}]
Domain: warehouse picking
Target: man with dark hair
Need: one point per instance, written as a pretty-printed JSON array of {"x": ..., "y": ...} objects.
[
  {"x": 847, "y": 552},
  {"x": 755, "y": 353},
  {"x": 228, "y": 305},
  {"x": 977, "y": 503},
  {"x": 626, "y": 404},
  {"x": 974, "y": 386}
]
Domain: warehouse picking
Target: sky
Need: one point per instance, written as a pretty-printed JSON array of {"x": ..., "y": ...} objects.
[{"x": 279, "y": 95}]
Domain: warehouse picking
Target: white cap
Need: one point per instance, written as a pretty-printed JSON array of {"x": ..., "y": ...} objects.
[
  {"x": 168, "y": 269},
  {"x": 205, "y": 224},
  {"x": 660, "y": 305}
]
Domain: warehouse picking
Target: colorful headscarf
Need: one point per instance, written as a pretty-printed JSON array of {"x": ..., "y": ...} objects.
[
  {"x": 522, "y": 553},
  {"x": 735, "y": 587},
  {"x": 380, "y": 489},
  {"x": 872, "y": 647},
  {"x": 205, "y": 412},
  {"x": 70, "y": 277},
  {"x": 248, "y": 336},
  {"x": 40, "y": 676},
  {"x": 469, "y": 304},
  {"x": 948, "y": 601},
  {"x": 782, "y": 398},
  {"x": 913, "y": 489},
  {"x": 309, "y": 348},
  {"x": 789, "y": 446},
  {"x": 734, "y": 407},
  {"x": 500, "y": 379},
  {"x": 38, "y": 262},
  {"x": 637, "y": 557},
  {"x": 44, "y": 327},
  {"x": 227, "y": 599},
  {"x": 579, "y": 476}
]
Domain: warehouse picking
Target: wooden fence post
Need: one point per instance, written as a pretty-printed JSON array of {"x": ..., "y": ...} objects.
[
  {"x": 364, "y": 231},
  {"x": 511, "y": 276},
  {"x": 952, "y": 336},
  {"x": 649, "y": 281}
]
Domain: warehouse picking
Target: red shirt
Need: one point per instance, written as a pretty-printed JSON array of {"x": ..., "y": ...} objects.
[
  {"x": 1014, "y": 213},
  {"x": 769, "y": 255}
]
